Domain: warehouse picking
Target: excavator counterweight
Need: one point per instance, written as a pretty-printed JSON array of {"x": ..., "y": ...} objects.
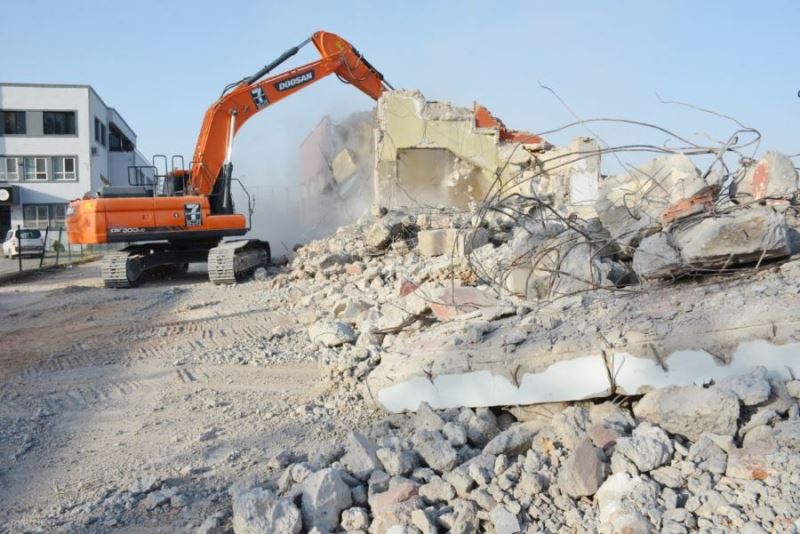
[{"x": 168, "y": 226}]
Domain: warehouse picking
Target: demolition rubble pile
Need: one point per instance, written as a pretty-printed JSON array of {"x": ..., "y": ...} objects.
[
  {"x": 719, "y": 459},
  {"x": 496, "y": 280}
]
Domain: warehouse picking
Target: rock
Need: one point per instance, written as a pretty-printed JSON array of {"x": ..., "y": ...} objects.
[
  {"x": 397, "y": 462},
  {"x": 657, "y": 257},
  {"x": 740, "y": 237},
  {"x": 570, "y": 426},
  {"x": 396, "y": 494},
  {"x": 613, "y": 416},
  {"x": 355, "y": 519},
  {"x": 259, "y": 511},
  {"x": 427, "y": 419},
  {"x": 331, "y": 333},
  {"x": 751, "y": 387},
  {"x": 361, "y": 455},
  {"x": 480, "y": 472},
  {"x": 515, "y": 440},
  {"x": 437, "y": 490},
  {"x": 460, "y": 480},
  {"x": 774, "y": 176},
  {"x": 260, "y": 274},
  {"x": 504, "y": 521},
  {"x": 623, "y": 498},
  {"x": 793, "y": 388},
  {"x": 707, "y": 456},
  {"x": 584, "y": 471},
  {"x": 748, "y": 463},
  {"x": 379, "y": 236},
  {"x": 648, "y": 448},
  {"x": 434, "y": 450},
  {"x": 212, "y": 524},
  {"x": 157, "y": 498},
  {"x": 424, "y": 522},
  {"x": 324, "y": 496},
  {"x": 668, "y": 476},
  {"x": 481, "y": 430},
  {"x": 143, "y": 485},
  {"x": 456, "y": 434},
  {"x": 690, "y": 410},
  {"x": 602, "y": 436}
]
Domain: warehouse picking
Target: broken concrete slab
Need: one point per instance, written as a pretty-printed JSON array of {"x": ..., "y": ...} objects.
[
  {"x": 447, "y": 303},
  {"x": 587, "y": 355},
  {"x": 741, "y": 237}
]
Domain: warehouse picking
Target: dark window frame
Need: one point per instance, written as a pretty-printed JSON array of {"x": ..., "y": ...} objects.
[
  {"x": 20, "y": 127},
  {"x": 49, "y": 122}
]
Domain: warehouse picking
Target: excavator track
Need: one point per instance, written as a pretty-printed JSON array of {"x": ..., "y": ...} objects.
[
  {"x": 119, "y": 270},
  {"x": 229, "y": 262}
]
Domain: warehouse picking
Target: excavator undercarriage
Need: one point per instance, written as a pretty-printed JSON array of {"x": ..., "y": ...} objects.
[{"x": 228, "y": 262}]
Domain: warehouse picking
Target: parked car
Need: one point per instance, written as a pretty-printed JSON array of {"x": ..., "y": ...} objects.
[{"x": 27, "y": 241}]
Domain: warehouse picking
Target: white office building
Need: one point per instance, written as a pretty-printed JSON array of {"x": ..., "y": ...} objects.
[{"x": 58, "y": 142}]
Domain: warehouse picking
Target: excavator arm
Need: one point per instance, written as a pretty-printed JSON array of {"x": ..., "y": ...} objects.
[{"x": 241, "y": 100}]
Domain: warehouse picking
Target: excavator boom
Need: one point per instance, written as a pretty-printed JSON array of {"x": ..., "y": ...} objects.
[{"x": 240, "y": 101}]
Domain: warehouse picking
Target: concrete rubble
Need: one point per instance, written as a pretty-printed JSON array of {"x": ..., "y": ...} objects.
[
  {"x": 564, "y": 285},
  {"x": 679, "y": 477},
  {"x": 664, "y": 287}
]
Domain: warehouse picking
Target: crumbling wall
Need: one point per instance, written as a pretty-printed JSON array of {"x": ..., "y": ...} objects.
[
  {"x": 336, "y": 163},
  {"x": 406, "y": 125},
  {"x": 436, "y": 154}
]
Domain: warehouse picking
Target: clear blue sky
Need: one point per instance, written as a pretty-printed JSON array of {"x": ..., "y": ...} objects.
[{"x": 162, "y": 63}]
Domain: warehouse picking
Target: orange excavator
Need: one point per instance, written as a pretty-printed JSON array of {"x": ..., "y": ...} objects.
[{"x": 181, "y": 216}]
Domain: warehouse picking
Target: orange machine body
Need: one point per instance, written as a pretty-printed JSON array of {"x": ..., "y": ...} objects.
[{"x": 111, "y": 220}]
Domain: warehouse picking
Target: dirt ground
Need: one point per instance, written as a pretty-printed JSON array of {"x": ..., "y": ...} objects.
[{"x": 174, "y": 380}]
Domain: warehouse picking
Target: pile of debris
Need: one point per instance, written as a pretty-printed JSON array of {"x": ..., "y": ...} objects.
[
  {"x": 682, "y": 459},
  {"x": 499, "y": 272}
]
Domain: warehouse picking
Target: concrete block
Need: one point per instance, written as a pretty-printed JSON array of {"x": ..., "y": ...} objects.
[
  {"x": 431, "y": 243},
  {"x": 773, "y": 176},
  {"x": 743, "y": 236}
]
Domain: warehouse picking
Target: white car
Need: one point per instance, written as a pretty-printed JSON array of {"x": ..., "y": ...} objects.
[{"x": 27, "y": 241}]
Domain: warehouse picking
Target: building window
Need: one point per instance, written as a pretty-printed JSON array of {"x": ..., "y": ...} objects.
[
  {"x": 58, "y": 215},
  {"x": 36, "y": 216},
  {"x": 59, "y": 122},
  {"x": 13, "y": 122},
  {"x": 9, "y": 169},
  {"x": 43, "y": 215},
  {"x": 35, "y": 168},
  {"x": 97, "y": 129},
  {"x": 102, "y": 134},
  {"x": 64, "y": 168}
]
